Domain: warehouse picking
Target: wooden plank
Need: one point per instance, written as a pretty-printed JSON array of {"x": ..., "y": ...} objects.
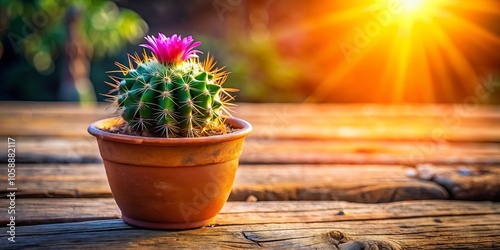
[
  {"x": 58, "y": 210},
  {"x": 49, "y": 119},
  {"x": 59, "y": 180},
  {"x": 367, "y": 109},
  {"x": 271, "y": 151},
  {"x": 291, "y": 121},
  {"x": 368, "y": 152},
  {"x": 272, "y": 109},
  {"x": 467, "y": 182},
  {"x": 331, "y": 182},
  {"x": 374, "y": 128},
  {"x": 312, "y": 227},
  {"x": 36, "y": 211},
  {"x": 354, "y": 128},
  {"x": 54, "y": 150},
  {"x": 264, "y": 182},
  {"x": 420, "y": 233}
]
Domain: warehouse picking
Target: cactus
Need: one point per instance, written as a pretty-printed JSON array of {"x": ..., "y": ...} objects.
[{"x": 170, "y": 93}]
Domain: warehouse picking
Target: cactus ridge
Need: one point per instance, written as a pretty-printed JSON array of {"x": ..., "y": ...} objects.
[{"x": 171, "y": 100}]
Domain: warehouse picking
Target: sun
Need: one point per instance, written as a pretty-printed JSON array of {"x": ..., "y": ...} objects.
[
  {"x": 416, "y": 8},
  {"x": 422, "y": 10},
  {"x": 412, "y": 5},
  {"x": 400, "y": 51}
]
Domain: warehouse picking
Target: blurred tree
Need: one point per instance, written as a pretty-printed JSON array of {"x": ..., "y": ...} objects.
[{"x": 71, "y": 31}]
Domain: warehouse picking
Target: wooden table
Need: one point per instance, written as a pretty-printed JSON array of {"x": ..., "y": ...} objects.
[{"x": 311, "y": 176}]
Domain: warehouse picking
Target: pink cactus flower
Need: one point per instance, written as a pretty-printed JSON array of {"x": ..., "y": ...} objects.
[{"x": 172, "y": 50}]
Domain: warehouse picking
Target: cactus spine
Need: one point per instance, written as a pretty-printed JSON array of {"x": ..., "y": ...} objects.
[{"x": 176, "y": 98}]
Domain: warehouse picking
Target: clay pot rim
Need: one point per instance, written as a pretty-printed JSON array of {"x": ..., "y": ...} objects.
[{"x": 244, "y": 129}]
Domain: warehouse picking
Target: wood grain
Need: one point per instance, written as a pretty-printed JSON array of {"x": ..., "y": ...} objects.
[
  {"x": 289, "y": 121},
  {"x": 270, "y": 151},
  {"x": 368, "y": 152},
  {"x": 59, "y": 180},
  {"x": 34, "y": 211},
  {"x": 285, "y": 225},
  {"x": 364, "y": 183},
  {"x": 297, "y": 153},
  {"x": 331, "y": 182},
  {"x": 465, "y": 182}
]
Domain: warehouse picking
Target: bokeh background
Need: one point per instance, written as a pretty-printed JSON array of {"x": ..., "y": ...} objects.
[{"x": 377, "y": 51}]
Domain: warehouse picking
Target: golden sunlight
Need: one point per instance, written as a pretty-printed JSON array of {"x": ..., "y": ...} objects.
[
  {"x": 422, "y": 10},
  {"x": 413, "y": 6},
  {"x": 401, "y": 50},
  {"x": 418, "y": 9}
]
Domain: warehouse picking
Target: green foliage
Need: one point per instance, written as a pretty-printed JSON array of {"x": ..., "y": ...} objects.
[
  {"x": 37, "y": 28},
  {"x": 34, "y": 39},
  {"x": 171, "y": 100}
]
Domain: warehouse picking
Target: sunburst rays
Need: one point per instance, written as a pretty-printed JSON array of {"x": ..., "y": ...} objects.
[{"x": 428, "y": 51}]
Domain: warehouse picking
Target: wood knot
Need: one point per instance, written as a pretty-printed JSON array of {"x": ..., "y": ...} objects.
[
  {"x": 344, "y": 242},
  {"x": 370, "y": 245},
  {"x": 338, "y": 237}
]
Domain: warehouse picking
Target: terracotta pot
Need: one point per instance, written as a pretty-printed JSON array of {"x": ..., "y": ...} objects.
[{"x": 170, "y": 183}]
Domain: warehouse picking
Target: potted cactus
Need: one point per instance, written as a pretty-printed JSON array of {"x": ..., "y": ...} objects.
[{"x": 172, "y": 153}]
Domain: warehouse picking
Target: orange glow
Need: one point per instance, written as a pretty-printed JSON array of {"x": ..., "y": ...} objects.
[{"x": 400, "y": 50}]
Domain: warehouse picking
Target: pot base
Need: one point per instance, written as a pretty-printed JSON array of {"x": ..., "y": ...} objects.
[{"x": 159, "y": 225}]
